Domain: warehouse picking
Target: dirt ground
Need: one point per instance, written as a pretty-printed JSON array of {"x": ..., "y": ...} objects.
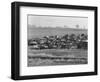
[{"x": 48, "y": 57}]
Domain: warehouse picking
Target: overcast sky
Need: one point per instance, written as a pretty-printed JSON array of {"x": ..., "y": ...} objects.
[{"x": 61, "y": 21}]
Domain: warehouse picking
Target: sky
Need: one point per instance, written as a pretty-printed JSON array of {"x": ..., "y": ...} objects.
[{"x": 58, "y": 21}]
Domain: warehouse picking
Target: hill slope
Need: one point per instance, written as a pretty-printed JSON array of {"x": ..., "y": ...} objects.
[{"x": 34, "y": 32}]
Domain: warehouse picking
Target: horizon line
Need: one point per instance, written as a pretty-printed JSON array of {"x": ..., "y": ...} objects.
[{"x": 64, "y": 26}]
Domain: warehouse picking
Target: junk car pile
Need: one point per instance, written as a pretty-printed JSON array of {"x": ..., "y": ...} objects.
[{"x": 67, "y": 41}]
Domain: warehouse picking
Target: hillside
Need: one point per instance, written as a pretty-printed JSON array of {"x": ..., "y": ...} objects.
[{"x": 34, "y": 32}]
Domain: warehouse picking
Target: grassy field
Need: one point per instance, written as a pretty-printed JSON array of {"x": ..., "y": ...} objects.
[
  {"x": 48, "y": 57},
  {"x": 34, "y": 32}
]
